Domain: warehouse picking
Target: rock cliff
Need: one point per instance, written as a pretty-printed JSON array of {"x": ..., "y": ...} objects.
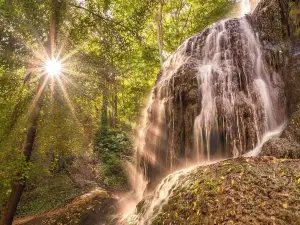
[{"x": 223, "y": 91}]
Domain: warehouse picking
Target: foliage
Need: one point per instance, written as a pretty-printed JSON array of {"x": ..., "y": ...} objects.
[
  {"x": 295, "y": 15},
  {"x": 114, "y": 148},
  {"x": 184, "y": 18},
  {"x": 111, "y": 61},
  {"x": 50, "y": 193}
]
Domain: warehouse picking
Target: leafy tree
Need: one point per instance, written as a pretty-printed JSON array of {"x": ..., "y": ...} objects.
[
  {"x": 111, "y": 51},
  {"x": 114, "y": 148}
]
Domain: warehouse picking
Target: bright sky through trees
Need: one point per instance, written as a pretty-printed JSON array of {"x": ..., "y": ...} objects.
[
  {"x": 53, "y": 67},
  {"x": 70, "y": 68}
]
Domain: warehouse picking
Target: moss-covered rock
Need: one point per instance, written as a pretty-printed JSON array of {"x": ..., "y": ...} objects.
[
  {"x": 292, "y": 130},
  {"x": 177, "y": 96},
  {"x": 240, "y": 191},
  {"x": 288, "y": 145},
  {"x": 281, "y": 148}
]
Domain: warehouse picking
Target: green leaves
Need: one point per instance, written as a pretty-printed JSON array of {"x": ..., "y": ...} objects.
[
  {"x": 113, "y": 146},
  {"x": 295, "y": 15},
  {"x": 113, "y": 62},
  {"x": 184, "y": 18}
]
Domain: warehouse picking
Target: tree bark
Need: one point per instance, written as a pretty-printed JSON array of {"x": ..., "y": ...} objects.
[
  {"x": 104, "y": 120},
  {"x": 18, "y": 184},
  {"x": 160, "y": 39},
  {"x": 115, "y": 104}
]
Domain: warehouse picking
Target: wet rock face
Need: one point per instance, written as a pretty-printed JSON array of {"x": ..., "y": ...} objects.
[
  {"x": 219, "y": 93},
  {"x": 281, "y": 148},
  {"x": 292, "y": 130},
  {"x": 292, "y": 77},
  {"x": 288, "y": 145}
]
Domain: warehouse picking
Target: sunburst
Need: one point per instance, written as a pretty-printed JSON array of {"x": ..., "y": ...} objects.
[
  {"x": 53, "y": 67},
  {"x": 50, "y": 70}
]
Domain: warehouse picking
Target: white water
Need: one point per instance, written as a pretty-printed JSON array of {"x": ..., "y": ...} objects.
[
  {"x": 160, "y": 197},
  {"x": 263, "y": 90},
  {"x": 216, "y": 74},
  {"x": 247, "y": 6},
  {"x": 212, "y": 63},
  {"x": 216, "y": 80},
  {"x": 268, "y": 136}
]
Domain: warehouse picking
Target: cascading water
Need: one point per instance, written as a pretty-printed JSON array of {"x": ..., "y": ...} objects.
[
  {"x": 215, "y": 98},
  {"x": 247, "y": 6}
]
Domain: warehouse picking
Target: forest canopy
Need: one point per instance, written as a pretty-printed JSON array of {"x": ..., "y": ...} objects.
[{"x": 110, "y": 53}]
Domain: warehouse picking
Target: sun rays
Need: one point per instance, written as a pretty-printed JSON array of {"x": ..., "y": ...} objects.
[
  {"x": 53, "y": 67},
  {"x": 53, "y": 70}
]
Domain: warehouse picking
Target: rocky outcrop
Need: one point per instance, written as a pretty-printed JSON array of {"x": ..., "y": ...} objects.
[
  {"x": 262, "y": 190},
  {"x": 239, "y": 191},
  {"x": 288, "y": 145},
  {"x": 221, "y": 92},
  {"x": 281, "y": 148},
  {"x": 292, "y": 77}
]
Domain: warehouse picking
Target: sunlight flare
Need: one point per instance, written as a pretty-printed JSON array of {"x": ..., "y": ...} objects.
[{"x": 53, "y": 67}]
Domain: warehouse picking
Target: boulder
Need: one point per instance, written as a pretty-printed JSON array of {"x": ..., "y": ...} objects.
[{"x": 261, "y": 190}]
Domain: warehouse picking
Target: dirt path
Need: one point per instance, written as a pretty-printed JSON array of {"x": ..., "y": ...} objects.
[{"x": 95, "y": 207}]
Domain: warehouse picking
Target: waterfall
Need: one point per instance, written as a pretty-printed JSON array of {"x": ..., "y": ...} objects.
[
  {"x": 216, "y": 97},
  {"x": 247, "y": 6}
]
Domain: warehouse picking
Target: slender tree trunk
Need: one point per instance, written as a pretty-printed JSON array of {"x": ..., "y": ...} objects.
[
  {"x": 115, "y": 103},
  {"x": 160, "y": 39},
  {"x": 18, "y": 184},
  {"x": 104, "y": 110}
]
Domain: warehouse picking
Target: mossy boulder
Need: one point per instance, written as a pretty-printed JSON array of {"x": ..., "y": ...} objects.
[
  {"x": 288, "y": 145},
  {"x": 239, "y": 191},
  {"x": 281, "y": 148},
  {"x": 292, "y": 130}
]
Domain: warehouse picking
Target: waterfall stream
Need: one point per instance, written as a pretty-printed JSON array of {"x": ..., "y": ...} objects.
[{"x": 215, "y": 98}]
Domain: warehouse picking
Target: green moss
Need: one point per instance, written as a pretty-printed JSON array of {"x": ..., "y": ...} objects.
[
  {"x": 295, "y": 16},
  {"x": 255, "y": 191},
  {"x": 50, "y": 194}
]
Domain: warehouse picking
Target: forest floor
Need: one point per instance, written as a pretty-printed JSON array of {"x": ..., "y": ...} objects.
[
  {"x": 94, "y": 207},
  {"x": 262, "y": 190}
]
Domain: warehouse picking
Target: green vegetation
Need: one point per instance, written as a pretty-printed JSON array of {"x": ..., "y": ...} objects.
[
  {"x": 114, "y": 148},
  {"x": 295, "y": 15},
  {"x": 110, "y": 53},
  {"x": 236, "y": 191},
  {"x": 49, "y": 194}
]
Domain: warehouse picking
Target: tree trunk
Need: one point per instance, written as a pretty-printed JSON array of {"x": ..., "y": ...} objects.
[
  {"x": 104, "y": 120},
  {"x": 115, "y": 104},
  {"x": 18, "y": 184},
  {"x": 11, "y": 208},
  {"x": 160, "y": 39}
]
